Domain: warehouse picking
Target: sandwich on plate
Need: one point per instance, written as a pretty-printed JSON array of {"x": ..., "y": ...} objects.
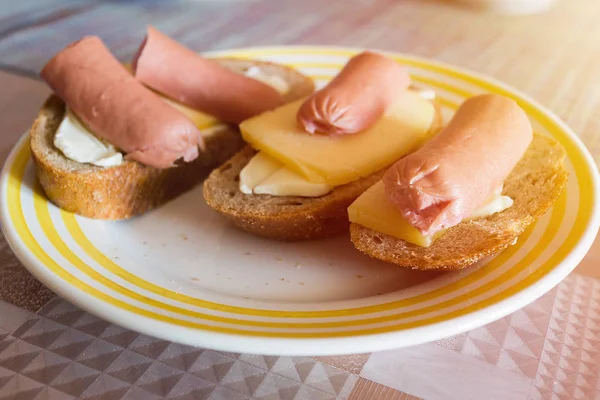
[
  {"x": 369, "y": 153},
  {"x": 466, "y": 194},
  {"x": 115, "y": 141},
  {"x": 308, "y": 160}
]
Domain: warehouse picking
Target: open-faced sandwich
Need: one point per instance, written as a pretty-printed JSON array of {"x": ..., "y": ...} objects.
[
  {"x": 116, "y": 141},
  {"x": 466, "y": 194},
  {"x": 307, "y": 161},
  {"x": 368, "y": 152}
]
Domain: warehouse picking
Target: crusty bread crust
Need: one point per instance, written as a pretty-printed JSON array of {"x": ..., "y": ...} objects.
[
  {"x": 289, "y": 218},
  {"x": 131, "y": 188},
  {"x": 534, "y": 184}
]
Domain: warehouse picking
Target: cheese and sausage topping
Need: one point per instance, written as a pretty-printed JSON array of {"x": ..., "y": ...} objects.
[
  {"x": 374, "y": 210},
  {"x": 78, "y": 143},
  {"x": 202, "y": 84},
  {"x": 336, "y": 160},
  {"x": 447, "y": 179},
  {"x": 356, "y": 98},
  {"x": 115, "y": 106}
]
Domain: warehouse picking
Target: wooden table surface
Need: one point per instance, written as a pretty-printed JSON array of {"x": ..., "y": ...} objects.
[{"x": 553, "y": 57}]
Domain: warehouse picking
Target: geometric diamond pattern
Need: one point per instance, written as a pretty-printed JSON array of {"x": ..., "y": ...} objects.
[
  {"x": 180, "y": 356},
  {"x": 45, "y": 367},
  {"x": 148, "y": 346},
  {"x": 74, "y": 379},
  {"x": 570, "y": 359},
  {"x": 105, "y": 387},
  {"x": 91, "y": 325},
  {"x": 42, "y": 333},
  {"x": 5, "y": 376},
  {"x": 192, "y": 387},
  {"x": 137, "y": 393},
  {"x": 99, "y": 354},
  {"x": 513, "y": 343},
  {"x": 20, "y": 387},
  {"x": 61, "y": 312},
  {"x": 119, "y": 336},
  {"x": 211, "y": 366},
  {"x": 129, "y": 366},
  {"x": 244, "y": 378},
  {"x": 159, "y": 379},
  {"x": 66, "y": 353},
  {"x": 18, "y": 354},
  {"x": 71, "y": 343},
  {"x": 49, "y": 393}
]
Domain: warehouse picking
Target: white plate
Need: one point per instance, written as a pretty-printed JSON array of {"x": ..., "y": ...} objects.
[{"x": 182, "y": 273}]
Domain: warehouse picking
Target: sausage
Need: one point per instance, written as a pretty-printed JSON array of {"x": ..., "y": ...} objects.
[
  {"x": 116, "y": 107},
  {"x": 444, "y": 181},
  {"x": 356, "y": 97},
  {"x": 177, "y": 72}
]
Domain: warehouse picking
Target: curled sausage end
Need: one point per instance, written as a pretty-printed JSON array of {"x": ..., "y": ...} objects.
[
  {"x": 323, "y": 114},
  {"x": 410, "y": 191}
]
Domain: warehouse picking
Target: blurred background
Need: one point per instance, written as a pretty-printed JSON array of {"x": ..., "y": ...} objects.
[{"x": 548, "y": 49}]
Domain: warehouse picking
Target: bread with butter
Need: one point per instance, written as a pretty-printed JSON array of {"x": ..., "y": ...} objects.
[
  {"x": 130, "y": 189},
  {"x": 535, "y": 184}
]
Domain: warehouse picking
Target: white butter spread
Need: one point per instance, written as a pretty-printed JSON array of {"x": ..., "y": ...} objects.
[
  {"x": 494, "y": 205},
  {"x": 265, "y": 175},
  {"x": 77, "y": 143},
  {"x": 259, "y": 168},
  {"x": 276, "y": 82},
  {"x": 285, "y": 182}
]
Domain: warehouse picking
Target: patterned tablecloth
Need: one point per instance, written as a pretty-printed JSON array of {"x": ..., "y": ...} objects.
[{"x": 50, "y": 349}]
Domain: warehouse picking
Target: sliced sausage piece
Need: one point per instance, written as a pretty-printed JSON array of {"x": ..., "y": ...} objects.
[
  {"x": 177, "y": 72},
  {"x": 116, "y": 107},
  {"x": 444, "y": 181},
  {"x": 356, "y": 97}
]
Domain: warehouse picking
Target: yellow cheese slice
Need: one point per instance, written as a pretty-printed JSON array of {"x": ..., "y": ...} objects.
[
  {"x": 200, "y": 119},
  {"x": 336, "y": 160},
  {"x": 373, "y": 210}
]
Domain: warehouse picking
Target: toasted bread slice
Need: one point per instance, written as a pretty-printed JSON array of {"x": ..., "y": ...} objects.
[
  {"x": 287, "y": 218},
  {"x": 534, "y": 184},
  {"x": 132, "y": 188}
]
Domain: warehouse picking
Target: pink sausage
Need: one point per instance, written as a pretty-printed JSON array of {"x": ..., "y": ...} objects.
[
  {"x": 443, "y": 182},
  {"x": 175, "y": 71},
  {"x": 356, "y": 97},
  {"x": 116, "y": 107}
]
